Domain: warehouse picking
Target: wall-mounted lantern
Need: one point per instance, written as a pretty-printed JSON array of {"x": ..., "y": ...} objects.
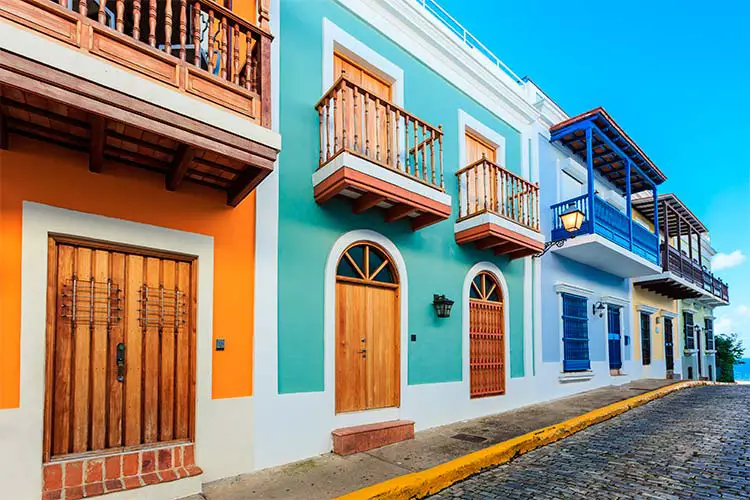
[
  {"x": 598, "y": 309},
  {"x": 442, "y": 305},
  {"x": 572, "y": 220}
]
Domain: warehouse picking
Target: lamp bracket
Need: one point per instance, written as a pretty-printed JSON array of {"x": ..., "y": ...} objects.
[{"x": 550, "y": 244}]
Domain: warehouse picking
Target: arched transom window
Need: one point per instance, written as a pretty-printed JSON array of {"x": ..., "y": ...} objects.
[
  {"x": 485, "y": 287},
  {"x": 365, "y": 262}
]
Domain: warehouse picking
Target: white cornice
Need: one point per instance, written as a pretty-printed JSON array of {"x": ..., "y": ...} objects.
[
  {"x": 615, "y": 301},
  {"x": 573, "y": 289},
  {"x": 668, "y": 314},
  {"x": 647, "y": 309},
  {"x": 417, "y": 32}
]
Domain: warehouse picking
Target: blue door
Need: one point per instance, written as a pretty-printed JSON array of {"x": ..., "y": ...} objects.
[{"x": 615, "y": 333}]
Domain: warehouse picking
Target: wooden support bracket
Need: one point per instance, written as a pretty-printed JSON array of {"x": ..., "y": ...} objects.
[
  {"x": 366, "y": 202},
  {"x": 398, "y": 212},
  {"x": 183, "y": 158},
  {"x": 98, "y": 139}
]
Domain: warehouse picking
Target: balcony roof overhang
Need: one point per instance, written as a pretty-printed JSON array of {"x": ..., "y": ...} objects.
[
  {"x": 612, "y": 149},
  {"x": 44, "y": 103},
  {"x": 671, "y": 286},
  {"x": 598, "y": 252},
  {"x": 677, "y": 214}
]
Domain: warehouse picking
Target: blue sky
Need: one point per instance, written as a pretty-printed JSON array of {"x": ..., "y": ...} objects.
[{"x": 674, "y": 74}]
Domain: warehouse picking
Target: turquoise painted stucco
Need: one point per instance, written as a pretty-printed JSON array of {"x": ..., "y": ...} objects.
[{"x": 307, "y": 231}]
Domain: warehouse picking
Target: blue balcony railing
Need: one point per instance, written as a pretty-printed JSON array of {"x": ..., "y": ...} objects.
[{"x": 609, "y": 222}]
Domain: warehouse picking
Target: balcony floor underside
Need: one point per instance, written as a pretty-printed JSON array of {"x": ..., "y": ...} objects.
[
  {"x": 500, "y": 240},
  {"x": 368, "y": 192},
  {"x": 52, "y": 106},
  {"x": 671, "y": 288}
]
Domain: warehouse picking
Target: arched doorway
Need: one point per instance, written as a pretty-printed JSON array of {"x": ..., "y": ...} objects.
[
  {"x": 368, "y": 353},
  {"x": 486, "y": 337}
]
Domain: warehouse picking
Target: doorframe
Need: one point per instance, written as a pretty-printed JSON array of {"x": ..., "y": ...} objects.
[
  {"x": 27, "y": 421},
  {"x": 466, "y": 323},
  {"x": 329, "y": 358}
]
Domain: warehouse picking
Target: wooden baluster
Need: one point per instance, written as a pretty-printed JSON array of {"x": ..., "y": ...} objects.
[
  {"x": 152, "y": 23},
  {"x": 344, "y": 113},
  {"x": 183, "y": 28},
  {"x": 249, "y": 43},
  {"x": 136, "y": 19},
  {"x": 120, "y": 15},
  {"x": 424, "y": 147},
  {"x": 357, "y": 120},
  {"x": 211, "y": 38},
  {"x": 417, "y": 170},
  {"x": 236, "y": 56},
  {"x": 367, "y": 122},
  {"x": 476, "y": 188},
  {"x": 328, "y": 130},
  {"x": 320, "y": 123},
  {"x": 406, "y": 144},
  {"x": 83, "y": 7},
  {"x": 432, "y": 155},
  {"x": 397, "y": 143},
  {"x": 335, "y": 120},
  {"x": 103, "y": 11},
  {"x": 224, "y": 42},
  {"x": 197, "y": 34},
  {"x": 460, "y": 201},
  {"x": 168, "y": 27},
  {"x": 377, "y": 129},
  {"x": 388, "y": 134},
  {"x": 440, "y": 142},
  {"x": 485, "y": 184}
]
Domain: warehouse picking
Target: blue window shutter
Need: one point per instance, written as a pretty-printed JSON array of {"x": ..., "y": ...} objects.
[{"x": 575, "y": 333}]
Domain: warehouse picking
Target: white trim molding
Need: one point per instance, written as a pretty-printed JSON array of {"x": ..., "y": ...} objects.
[
  {"x": 336, "y": 39},
  {"x": 561, "y": 287},
  {"x": 615, "y": 301},
  {"x": 668, "y": 314},
  {"x": 566, "y": 377},
  {"x": 466, "y": 122},
  {"x": 647, "y": 309}
]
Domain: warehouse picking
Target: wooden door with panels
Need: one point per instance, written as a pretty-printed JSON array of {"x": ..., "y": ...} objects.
[
  {"x": 368, "y": 373},
  {"x": 480, "y": 180},
  {"x": 370, "y": 110},
  {"x": 120, "y": 353},
  {"x": 486, "y": 337}
]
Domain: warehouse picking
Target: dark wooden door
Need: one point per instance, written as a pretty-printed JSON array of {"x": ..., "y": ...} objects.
[
  {"x": 646, "y": 338},
  {"x": 120, "y": 348},
  {"x": 614, "y": 337},
  {"x": 668, "y": 344}
]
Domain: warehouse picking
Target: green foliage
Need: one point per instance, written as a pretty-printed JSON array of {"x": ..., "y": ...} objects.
[{"x": 729, "y": 352}]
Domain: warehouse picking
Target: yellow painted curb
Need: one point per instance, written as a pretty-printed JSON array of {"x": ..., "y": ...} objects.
[{"x": 430, "y": 481}]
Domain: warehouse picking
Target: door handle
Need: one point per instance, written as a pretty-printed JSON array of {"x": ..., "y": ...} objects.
[{"x": 120, "y": 357}]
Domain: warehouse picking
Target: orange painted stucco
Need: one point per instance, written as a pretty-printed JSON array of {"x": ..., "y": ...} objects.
[{"x": 34, "y": 171}]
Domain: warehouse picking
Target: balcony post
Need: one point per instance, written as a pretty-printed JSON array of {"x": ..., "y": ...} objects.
[
  {"x": 264, "y": 55},
  {"x": 629, "y": 203},
  {"x": 679, "y": 243},
  {"x": 665, "y": 253},
  {"x": 590, "y": 170},
  {"x": 656, "y": 224}
]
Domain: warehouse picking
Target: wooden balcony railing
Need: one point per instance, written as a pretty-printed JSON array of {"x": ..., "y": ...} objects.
[
  {"x": 691, "y": 271},
  {"x": 226, "y": 58},
  {"x": 354, "y": 120},
  {"x": 485, "y": 186}
]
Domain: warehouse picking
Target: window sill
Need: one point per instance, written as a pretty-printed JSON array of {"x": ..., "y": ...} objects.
[
  {"x": 689, "y": 352},
  {"x": 576, "y": 376}
]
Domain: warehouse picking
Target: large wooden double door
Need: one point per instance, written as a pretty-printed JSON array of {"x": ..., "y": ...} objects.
[
  {"x": 120, "y": 354},
  {"x": 367, "y": 338}
]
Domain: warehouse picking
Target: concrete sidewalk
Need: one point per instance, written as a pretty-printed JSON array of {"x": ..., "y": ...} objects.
[{"x": 328, "y": 476}]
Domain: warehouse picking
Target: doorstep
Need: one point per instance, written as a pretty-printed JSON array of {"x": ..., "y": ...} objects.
[{"x": 350, "y": 440}]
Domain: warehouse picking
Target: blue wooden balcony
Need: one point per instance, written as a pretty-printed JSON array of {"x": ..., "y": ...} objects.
[{"x": 610, "y": 223}]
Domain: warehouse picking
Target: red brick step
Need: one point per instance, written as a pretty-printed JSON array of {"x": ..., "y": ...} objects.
[{"x": 350, "y": 440}]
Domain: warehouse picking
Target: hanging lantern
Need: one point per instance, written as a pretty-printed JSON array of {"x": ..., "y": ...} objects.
[
  {"x": 442, "y": 305},
  {"x": 572, "y": 219}
]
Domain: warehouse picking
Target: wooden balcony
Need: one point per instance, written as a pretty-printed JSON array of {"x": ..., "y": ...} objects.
[
  {"x": 379, "y": 155},
  {"x": 179, "y": 71},
  {"x": 498, "y": 210}
]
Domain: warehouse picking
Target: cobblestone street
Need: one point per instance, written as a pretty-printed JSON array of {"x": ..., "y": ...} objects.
[{"x": 692, "y": 444}]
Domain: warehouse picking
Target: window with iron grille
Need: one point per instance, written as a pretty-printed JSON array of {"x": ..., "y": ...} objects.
[
  {"x": 688, "y": 329},
  {"x": 646, "y": 338},
  {"x": 575, "y": 333},
  {"x": 710, "y": 345}
]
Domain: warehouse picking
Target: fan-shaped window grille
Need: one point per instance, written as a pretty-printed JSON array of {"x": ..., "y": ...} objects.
[{"x": 367, "y": 263}]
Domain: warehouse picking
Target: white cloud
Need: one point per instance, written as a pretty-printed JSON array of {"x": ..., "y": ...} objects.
[
  {"x": 723, "y": 326},
  {"x": 725, "y": 261},
  {"x": 743, "y": 310}
]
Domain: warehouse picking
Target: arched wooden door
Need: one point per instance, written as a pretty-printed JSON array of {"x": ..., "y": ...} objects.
[
  {"x": 486, "y": 337},
  {"x": 367, "y": 330}
]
